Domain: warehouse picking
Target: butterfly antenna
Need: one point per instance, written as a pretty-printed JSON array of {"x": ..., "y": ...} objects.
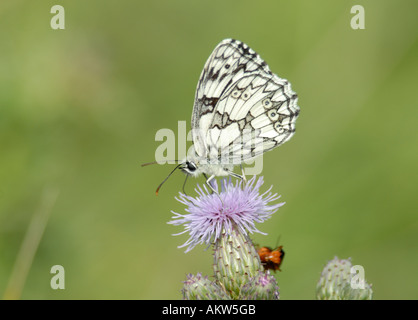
[
  {"x": 148, "y": 163},
  {"x": 155, "y": 162},
  {"x": 158, "y": 189}
]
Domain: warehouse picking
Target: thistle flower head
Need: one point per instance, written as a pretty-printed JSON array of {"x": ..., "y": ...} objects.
[{"x": 236, "y": 205}]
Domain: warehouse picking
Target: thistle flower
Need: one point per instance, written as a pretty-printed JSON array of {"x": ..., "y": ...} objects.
[
  {"x": 236, "y": 205},
  {"x": 225, "y": 219}
]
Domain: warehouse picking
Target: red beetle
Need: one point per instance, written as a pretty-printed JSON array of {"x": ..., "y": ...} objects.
[{"x": 271, "y": 259}]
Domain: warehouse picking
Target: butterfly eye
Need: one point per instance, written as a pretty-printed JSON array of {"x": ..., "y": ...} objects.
[
  {"x": 235, "y": 94},
  {"x": 267, "y": 103},
  {"x": 191, "y": 166}
]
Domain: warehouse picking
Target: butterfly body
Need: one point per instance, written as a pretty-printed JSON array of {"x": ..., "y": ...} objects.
[{"x": 196, "y": 165}]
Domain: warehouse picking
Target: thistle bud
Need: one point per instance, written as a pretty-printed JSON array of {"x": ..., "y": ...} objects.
[
  {"x": 262, "y": 287},
  {"x": 336, "y": 283},
  {"x": 197, "y": 287}
]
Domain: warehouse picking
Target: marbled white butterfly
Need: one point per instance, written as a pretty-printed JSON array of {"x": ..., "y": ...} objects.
[{"x": 241, "y": 110}]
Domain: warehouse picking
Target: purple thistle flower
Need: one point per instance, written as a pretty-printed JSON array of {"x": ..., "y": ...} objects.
[{"x": 234, "y": 206}]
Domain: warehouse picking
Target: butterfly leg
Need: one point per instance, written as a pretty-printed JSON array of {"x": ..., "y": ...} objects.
[
  {"x": 242, "y": 177},
  {"x": 243, "y": 174},
  {"x": 235, "y": 175},
  {"x": 184, "y": 185},
  {"x": 208, "y": 182}
]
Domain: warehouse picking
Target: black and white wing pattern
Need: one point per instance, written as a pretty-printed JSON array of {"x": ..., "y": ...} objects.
[{"x": 241, "y": 108}]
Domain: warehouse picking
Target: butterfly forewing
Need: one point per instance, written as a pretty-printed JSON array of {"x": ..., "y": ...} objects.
[{"x": 241, "y": 108}]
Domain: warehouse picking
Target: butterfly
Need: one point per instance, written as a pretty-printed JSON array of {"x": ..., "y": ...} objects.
[{"x": 241, "y": 110}]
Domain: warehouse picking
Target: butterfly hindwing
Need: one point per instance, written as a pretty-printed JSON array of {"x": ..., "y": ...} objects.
[{"x": 241, "y": 108}]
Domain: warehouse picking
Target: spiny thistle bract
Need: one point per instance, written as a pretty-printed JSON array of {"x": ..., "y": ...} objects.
[
  {"x": 336, "y": 283},
  {"x": 198, "y": 287}
]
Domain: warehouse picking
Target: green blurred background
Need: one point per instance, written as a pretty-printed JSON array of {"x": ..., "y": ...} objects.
[{"x": 79, "y": 109}]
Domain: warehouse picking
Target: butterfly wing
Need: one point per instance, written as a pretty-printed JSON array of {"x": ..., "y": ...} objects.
[{"x": 241, "y": 108}]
